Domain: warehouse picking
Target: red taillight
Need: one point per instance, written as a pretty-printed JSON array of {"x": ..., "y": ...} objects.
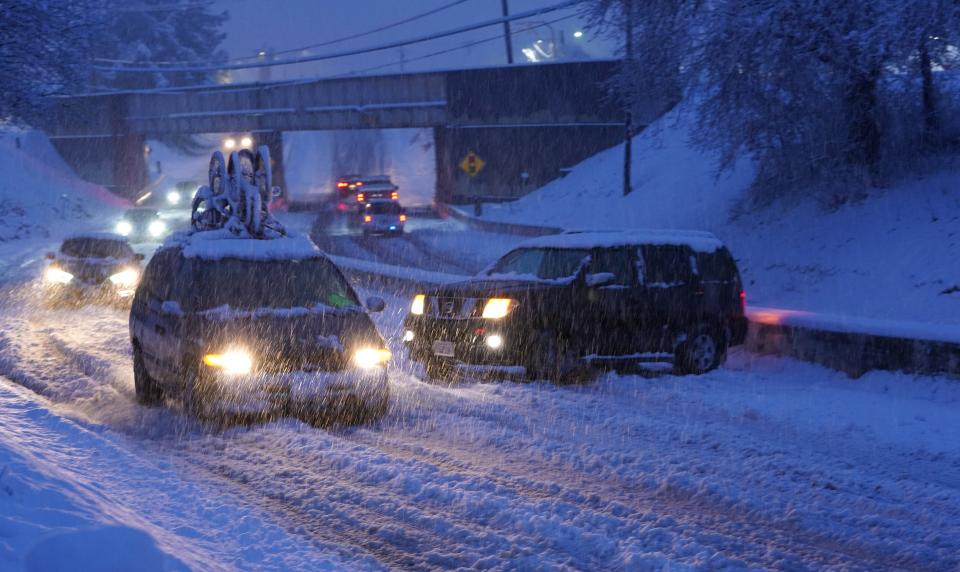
[
  {"x": 367, "y": 218},
  {"x": 743, "y": 300},
  {"x": 394, "y": 195},
  {"x": 360, "y": 197},
  {"x": 359, "y": 183},
  {"x": 342, "y": 185},
  {"x": 403, "y": 218}
]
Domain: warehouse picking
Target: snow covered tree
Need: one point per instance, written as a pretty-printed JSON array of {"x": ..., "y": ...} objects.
[
  {"x": 154, "y": 31},
  {"x": 44, "y": 50},
  {"x": 812, "y": 89}
]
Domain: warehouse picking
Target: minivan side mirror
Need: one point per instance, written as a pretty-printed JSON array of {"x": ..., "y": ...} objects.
[
  {"x": 376, "y": 304},
  {"x": 599, "y": 279}
]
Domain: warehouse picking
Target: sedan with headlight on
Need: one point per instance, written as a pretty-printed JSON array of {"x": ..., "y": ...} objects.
[
  {"x": 142, "y": 225},
  {"x": 237, "y": 326},
  {"x": 93, "y": 267}
]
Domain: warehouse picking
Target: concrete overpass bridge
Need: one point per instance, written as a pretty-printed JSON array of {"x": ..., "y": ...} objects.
[{"x": 533, "y": 119}]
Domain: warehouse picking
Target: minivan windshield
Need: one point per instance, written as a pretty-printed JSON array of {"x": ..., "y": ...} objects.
[
  {"x": 96, "y": 248},
  {"x": 384, "y": 208},
  {"x": 540, "y": 263},
  {"x": 255, "y": 284}
]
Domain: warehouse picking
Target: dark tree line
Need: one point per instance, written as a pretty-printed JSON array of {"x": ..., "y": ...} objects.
[
  {"x": 815, "y": 90},
  {"x": 49, "y": 48}
]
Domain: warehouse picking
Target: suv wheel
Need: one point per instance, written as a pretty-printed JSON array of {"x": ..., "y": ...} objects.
[
  {"x": 703, "y": 351},
  {"x": 146, "y": 388},
  {"x": 552, "y": 357}
]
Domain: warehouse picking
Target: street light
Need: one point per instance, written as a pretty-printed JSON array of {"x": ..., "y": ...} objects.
[{"x": 578, "y": 34}]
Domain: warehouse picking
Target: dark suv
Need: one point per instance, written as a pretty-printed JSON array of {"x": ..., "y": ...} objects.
[
  {"x": 242, "y": 325},
  {"x": 98, "y": 267},
  {"x": 556, "y": 304}
]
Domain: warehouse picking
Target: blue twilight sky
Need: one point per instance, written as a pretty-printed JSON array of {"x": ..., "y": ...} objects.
[{"x": 276, "y": 25}]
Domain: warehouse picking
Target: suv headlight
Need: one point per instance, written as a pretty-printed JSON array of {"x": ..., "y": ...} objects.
[
  {"x": 368, "y": 358},
  {"x": 124, "y": 228},
  {"x": 496, "y": 308},
  {"x": 55, "y": 275},
  {"x": 233, "y": 362},
  {"x": 419, "y": 301},
  {"x": 126, "y": 278}
]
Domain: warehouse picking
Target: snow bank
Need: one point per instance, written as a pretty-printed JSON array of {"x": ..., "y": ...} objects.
[{"x": 38, "y": 191}]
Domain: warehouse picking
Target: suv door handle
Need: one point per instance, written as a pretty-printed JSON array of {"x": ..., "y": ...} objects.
[{"x": 160, "y": 330}]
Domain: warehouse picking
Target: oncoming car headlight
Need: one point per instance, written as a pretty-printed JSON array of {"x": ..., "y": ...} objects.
[
  {"x": 55, "y": 275},
  {"x": 173, "y": 197},
  {"x": 418, "y": 303},
  {"x": 157, "y": 228},
  {"x": 124, "y": 228},
  {"x": 233, "y": 362},
  {"x": 368, "y": 358},
  {"x": 498, "y": 308},
  {"x": 126, "y": 278}
]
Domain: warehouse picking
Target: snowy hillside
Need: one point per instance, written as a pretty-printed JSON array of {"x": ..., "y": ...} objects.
[
  {"x": 889, "y": 256},
  {"x": 38, "y": 191}
]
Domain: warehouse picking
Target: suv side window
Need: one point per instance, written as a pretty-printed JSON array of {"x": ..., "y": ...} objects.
[
  {"x": 160, "y": 273},
  {"x": 616, "y": 261},
  {"x": 667, "y": 265},
  {"x": 717, "y": 266}
]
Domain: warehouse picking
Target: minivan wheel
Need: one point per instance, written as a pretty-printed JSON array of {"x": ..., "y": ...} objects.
[
  {"x": 703, "y": 351},
  {"x": 146, "y": 388}
]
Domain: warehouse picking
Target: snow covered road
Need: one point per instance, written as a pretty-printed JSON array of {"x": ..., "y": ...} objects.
[{"x": 767, "y": 463}]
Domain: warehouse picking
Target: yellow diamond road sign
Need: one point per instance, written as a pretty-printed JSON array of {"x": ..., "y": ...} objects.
[{"x": 472, "y": 164}]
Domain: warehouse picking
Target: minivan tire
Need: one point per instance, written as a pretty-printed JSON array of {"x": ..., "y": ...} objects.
[
  {"x": 147, "y": 390},
  {"x": 705, "y": 349}
]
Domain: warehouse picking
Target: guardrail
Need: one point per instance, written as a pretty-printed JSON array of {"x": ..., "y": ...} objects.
[{"x": 496, "y": 226}]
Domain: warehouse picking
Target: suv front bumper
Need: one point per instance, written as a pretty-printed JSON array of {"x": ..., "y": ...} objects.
[{"x": 467, "y": 341}]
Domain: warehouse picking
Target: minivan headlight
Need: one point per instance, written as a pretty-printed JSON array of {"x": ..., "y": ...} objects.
[
  {"x": 157, "y": 228},
  {"x": 418, "y": 303},
  {"x": 498, "y": 308},
  {"x": 368, "y": 358},
  {"x": 233, "y": 362}
]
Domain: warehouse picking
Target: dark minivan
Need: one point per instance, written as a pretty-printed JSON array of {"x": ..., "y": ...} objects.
[
  {"x": 559, "y": 303},
  {"x": 239, "y": 325}
]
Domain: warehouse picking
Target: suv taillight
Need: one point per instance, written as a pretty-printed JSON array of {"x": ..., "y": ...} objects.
[{"x": 743, "y": 301}]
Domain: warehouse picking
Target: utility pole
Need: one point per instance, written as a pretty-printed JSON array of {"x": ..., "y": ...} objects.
[
  {"x": 506, "y": 31},
  {"x": 627, "y": 99}
]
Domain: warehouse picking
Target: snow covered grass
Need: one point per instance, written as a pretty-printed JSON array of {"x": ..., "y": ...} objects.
[{"x": 887, "y": 256}]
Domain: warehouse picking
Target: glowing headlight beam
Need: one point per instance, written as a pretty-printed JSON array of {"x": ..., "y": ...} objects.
[
  {"x": 232, "y": 362},
  {"x": 497, "y": 308},
  {"x": 124, "y": 228},
  {"x": 416, "y": 308},
  {"x": 173, "y": 197},
  {"x": 368, "y": 358},
  {"x": 157, "y": 228},
  {"x": 55, "y": 275},
  {"x": 126, "y": 278}
]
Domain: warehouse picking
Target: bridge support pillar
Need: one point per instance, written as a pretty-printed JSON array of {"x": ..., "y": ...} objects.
[
  {"x": 274, "y": 141},
  {"x": 129, "y": 164},
  {"x": 445, "y": 165}
]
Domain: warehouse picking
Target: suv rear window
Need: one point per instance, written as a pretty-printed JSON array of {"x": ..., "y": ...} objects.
[
  {"x": 717, "y": 266},
  {"x": 96, "y": 248},
  {"x": 253, "y": 284},
  {"x": 666, "y": 265}
]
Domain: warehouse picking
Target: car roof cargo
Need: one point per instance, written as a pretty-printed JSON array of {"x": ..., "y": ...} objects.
[
  {"x": 97, "y": 236},
  {"x": 700, "y": 241},
  {"x": 220, "y": 244}
]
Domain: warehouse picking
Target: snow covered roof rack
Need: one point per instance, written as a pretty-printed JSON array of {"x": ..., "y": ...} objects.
[
  {"x": 93, "y": 235},
  {"x": 237, "y": 196}
]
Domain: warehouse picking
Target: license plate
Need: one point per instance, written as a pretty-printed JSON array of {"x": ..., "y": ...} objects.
[{"x": 442, "y": 348}]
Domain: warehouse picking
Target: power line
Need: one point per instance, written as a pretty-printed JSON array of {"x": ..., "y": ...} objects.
[
  {"x": 448, "y": 50},
  {"x": 300, "y": 49},
  {"x": 353, "y": 52}
]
